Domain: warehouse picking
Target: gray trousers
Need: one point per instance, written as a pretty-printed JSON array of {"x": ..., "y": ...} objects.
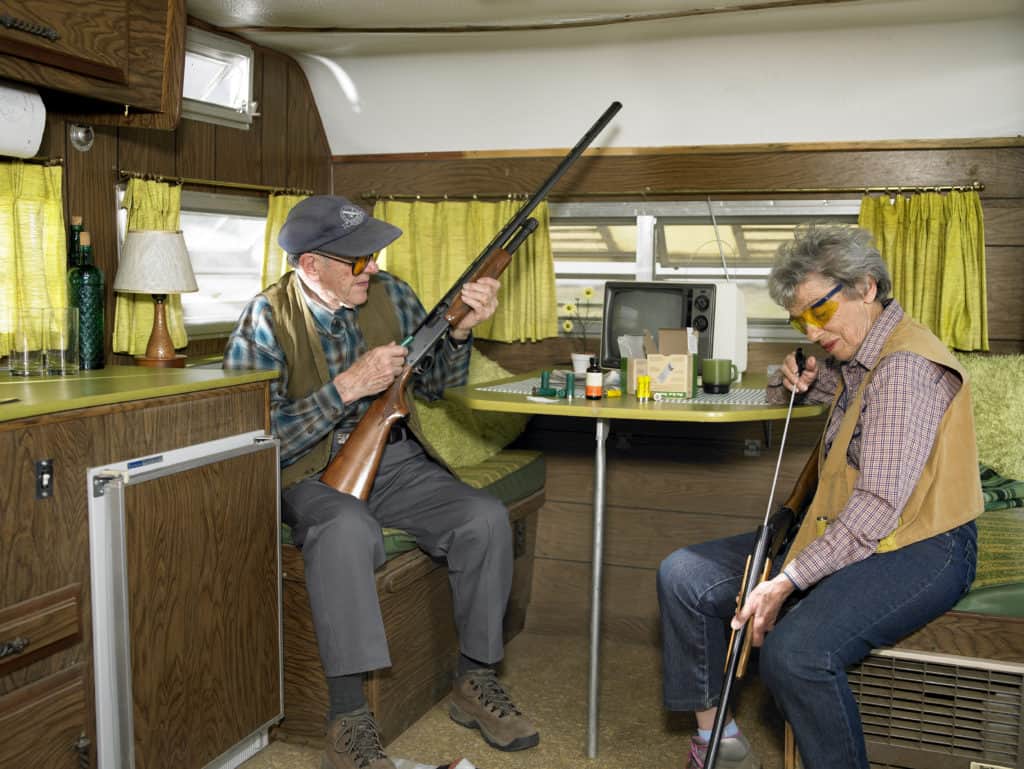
[{"x": 342, "y": 546}]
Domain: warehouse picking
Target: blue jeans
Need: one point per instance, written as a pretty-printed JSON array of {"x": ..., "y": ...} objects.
[{"x": 834, "y": 625}]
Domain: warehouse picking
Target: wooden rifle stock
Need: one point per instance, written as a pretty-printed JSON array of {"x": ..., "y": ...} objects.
[
  {"x": 772, "y": 538},
  {"x": 354, "y": 467}
]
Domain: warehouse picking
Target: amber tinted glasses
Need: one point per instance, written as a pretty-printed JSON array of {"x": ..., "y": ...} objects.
[
  {"x": 358, "y": 264},
  {"x": 819, "y": 313}
]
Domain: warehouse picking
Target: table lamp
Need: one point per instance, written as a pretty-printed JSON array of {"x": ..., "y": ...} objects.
[{"x": 156, "y": 262}]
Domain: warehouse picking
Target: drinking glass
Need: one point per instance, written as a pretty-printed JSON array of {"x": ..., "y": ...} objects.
[
  {"x": 27, "y": 343},
  {"x": 62, "y": 341}
]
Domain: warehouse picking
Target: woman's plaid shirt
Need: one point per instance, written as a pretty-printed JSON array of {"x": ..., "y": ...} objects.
[{"x": 903, "y": 405}]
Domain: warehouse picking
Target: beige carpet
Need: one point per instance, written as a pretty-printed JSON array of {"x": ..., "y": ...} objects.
[{"x": 547, "y": 676}]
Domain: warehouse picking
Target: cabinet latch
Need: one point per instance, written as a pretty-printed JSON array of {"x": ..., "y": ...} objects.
[{"x": 101, "y": 480}]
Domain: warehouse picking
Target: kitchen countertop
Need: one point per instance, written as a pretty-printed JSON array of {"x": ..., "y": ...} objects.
[{"x": 114, "y": 384}]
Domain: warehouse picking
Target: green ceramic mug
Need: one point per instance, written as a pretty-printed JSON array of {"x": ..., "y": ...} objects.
[{"x": 717, "y": 374}]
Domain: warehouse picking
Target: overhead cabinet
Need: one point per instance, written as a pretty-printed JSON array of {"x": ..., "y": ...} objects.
[{"x": 124, "y": 57}]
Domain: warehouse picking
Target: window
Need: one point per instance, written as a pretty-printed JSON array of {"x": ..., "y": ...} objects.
[
  {"x": 224, "y": 235},
  {"x": 218, "y": 80},
  {"x": 700, "y": 241}
]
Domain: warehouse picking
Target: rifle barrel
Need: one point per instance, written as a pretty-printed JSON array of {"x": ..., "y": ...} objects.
[{"x": 542, "y": 192}]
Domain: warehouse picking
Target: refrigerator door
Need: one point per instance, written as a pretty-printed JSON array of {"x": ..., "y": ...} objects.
[{"x": 186, "y": 604}]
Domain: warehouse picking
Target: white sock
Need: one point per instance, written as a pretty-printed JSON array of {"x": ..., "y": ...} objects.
[{"x": 730, "y": 730}]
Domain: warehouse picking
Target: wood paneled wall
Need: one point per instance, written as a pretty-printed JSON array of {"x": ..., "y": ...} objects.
[
  {"x": 673, "y": 485},
  {"x": 285, "y": 147}
]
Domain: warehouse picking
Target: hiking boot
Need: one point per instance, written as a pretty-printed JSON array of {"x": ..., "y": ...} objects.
[
  {"x": 733, "y": 753},
  {"x": 353, "y": 742},
  {"x": 479, "y": 701}
]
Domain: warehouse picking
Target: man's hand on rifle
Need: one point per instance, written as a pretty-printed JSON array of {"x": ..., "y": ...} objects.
[
  {"x": 372, "y": 373},
  {"x": 762, "y": 606},
  {"x": 482, "y": 298}
]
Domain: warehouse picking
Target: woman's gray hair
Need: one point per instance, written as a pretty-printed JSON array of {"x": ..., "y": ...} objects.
[
  {"x": 844, "y": 254},
  {"x": 293, "y": 259}
]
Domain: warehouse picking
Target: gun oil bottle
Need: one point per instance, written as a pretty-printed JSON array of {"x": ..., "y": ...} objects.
[{"x": 594, "y": 380}]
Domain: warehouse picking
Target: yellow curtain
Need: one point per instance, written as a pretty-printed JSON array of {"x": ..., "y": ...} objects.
[
  {"x": 275, "y": 260},
  {"x": 33, "y": 245},
  {"x": 151, "y": 205},
  {"x": 442, "y": 238},
  {"x": 935, "y": 248}
]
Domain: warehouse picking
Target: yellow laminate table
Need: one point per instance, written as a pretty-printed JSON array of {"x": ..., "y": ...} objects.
[{"x": 602, "y": 411}]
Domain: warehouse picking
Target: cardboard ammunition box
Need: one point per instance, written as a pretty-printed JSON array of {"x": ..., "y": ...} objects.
[{"x": 674, "y": 367}]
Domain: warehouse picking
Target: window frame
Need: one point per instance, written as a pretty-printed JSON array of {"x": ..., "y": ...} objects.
[
  {"x": 651, "y": 218},
  {"x": 205, "y": 43}
]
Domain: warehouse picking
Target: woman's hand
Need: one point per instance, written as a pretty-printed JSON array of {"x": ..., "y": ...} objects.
[
  {"x": 481, "y": 296},
  {"x": 762, "y": 607},
  {"x": 792, "y": 378},
  {"x": 372, "y": 373}
]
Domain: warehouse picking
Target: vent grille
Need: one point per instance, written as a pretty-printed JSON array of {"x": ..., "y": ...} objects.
[{"x": 942, "y": 704}]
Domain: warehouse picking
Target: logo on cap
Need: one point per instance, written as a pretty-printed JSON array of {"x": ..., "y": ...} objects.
[{"x": 351, "y": 217}]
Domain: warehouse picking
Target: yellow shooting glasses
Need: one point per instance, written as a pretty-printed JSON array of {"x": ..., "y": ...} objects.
[
  {"x": 819, "y": 313},
  {"x": 358, "y": 263}
]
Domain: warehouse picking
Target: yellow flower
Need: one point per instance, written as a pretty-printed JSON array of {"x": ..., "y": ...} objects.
[
  {"x": 569, "y": 308},
  {"x": 588, "y": 292},
  {"x": 567, "y": 326}
]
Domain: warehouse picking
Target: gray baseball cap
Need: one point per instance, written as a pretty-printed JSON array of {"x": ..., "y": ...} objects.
[{"x": 334, "y": 225}]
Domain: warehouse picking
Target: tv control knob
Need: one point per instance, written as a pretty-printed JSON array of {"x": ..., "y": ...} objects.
[
  {"x": 702, "y": 303},
  {"x": 700, "y": 323}
]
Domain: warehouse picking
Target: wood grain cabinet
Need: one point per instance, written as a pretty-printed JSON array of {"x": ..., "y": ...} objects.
[
  {"x": 125, "y": 57},
  {"x": 48, "y": 654}
]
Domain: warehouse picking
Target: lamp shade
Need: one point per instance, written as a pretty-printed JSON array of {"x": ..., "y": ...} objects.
[{"x": 154, "y": 262}]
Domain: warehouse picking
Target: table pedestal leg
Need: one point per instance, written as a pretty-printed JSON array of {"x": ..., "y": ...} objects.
[{"x": 601, "y": 437}]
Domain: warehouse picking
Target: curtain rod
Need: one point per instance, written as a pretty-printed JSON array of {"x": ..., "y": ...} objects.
[
  {"x": 213, "y": 183},
  {"x": 647, "y": 192},
  {"x": 41, "y": 161}
]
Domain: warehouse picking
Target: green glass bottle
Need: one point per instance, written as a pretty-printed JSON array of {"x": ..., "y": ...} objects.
[
  {"x": 74, "y": 241},
  {"x": 86, "y": 292}
]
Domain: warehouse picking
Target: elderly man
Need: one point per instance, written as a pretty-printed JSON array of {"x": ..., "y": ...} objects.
[{"x": 331, "y": 327}]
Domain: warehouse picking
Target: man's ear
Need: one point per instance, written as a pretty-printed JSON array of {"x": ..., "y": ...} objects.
[{"x": 309, "y": 264}]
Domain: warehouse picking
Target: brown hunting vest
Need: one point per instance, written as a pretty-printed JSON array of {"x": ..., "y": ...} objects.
[
  {"x": 296, "y": 333},
  {"x": 947, "y": 495}
]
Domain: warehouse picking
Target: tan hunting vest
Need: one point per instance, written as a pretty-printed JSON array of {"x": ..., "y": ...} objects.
[
  {"x": 947, "y": 495},
  {"x": 296, "y": 333}
]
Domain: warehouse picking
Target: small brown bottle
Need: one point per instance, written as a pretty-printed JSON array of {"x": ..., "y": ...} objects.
[{"x": 593, "y": 389}]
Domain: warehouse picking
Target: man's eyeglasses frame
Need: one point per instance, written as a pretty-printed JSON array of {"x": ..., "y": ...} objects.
[{"x": 358, "y": 263}]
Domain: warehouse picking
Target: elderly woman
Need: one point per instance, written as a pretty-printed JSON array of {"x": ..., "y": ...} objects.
[{"x": 898, "y": 485}]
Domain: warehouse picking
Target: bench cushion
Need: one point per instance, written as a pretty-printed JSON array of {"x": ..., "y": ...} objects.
[{"x": 464, "y": 437}]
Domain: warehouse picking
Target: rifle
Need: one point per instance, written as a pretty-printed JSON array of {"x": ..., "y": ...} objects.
[
  {"x": 355, "y": 465},
  {"x": 774, "y": 534}
]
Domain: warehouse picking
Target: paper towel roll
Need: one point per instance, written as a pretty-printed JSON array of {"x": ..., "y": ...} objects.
[{"x": 22, "y": 119}]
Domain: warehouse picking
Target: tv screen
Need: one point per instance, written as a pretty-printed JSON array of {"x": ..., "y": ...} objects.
[{"x": 638, "y": 309}]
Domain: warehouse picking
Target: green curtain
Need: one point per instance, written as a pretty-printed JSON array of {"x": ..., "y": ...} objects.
[
  {"x": 934, "y": 246},
  {"x": 275, "y": 260},
  {"x": 442, "y": 238},
  {"x": 151, "y": 205},
  {"x": 33, "y": 246}
]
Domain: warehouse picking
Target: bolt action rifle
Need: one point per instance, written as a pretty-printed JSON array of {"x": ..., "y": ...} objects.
[
  {"x": 772, "y": 538},
  {"x": 353, "y": 468}
]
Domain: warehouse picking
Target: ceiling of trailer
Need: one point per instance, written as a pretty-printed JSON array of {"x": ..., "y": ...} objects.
[{"x": 387, "y": 27}]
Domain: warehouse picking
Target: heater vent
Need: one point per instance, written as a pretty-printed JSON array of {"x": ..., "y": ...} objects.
[{"x": 917, "y": 707}]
